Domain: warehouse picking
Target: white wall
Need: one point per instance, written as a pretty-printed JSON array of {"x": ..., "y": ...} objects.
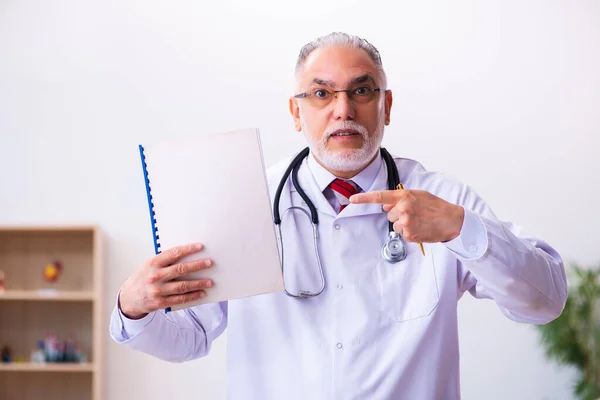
[{"x": 505, "y": 95}]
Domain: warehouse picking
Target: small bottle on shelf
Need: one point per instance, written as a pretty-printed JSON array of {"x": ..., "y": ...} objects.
[
  {"x": 39, "y": 355},
  {"x": 6, "y": 354},
  {"x": 80, "y": 356},
  {"x": 51, "y": 346}
]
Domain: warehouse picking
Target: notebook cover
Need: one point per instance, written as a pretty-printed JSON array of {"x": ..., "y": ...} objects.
[{"x": 212, "y": 189}]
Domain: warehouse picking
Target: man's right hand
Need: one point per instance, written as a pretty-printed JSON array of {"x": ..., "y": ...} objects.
[{"x": 152, "y": 287}]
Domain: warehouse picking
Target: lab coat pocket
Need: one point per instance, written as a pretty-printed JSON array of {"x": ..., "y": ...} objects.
[{"x": 408, "y": 289}]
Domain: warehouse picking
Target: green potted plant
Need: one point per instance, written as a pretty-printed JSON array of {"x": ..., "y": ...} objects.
[{"x": 574, "y": 337}]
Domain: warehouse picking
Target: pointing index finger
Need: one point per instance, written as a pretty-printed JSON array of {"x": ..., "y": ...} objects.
[{"x": 377, "y": 197}]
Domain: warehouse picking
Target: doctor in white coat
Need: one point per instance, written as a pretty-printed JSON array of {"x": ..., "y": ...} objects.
[{"x": 378, "y": 330}]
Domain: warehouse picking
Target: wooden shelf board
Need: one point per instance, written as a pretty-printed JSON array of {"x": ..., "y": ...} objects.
[
  {"x": 41, "y": 295},
  {"x": 49, "y": 367},
  {"x": 47, "y": 228}
]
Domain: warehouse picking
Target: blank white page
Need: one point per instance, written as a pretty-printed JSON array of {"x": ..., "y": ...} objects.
[{"x": 213, "y": 189}]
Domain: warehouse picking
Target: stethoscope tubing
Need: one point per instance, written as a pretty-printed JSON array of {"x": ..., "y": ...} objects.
[{"x": 393, "y": 251}]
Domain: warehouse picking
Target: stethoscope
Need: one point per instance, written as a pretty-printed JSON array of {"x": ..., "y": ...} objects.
[{"x": 393, "y": 251}]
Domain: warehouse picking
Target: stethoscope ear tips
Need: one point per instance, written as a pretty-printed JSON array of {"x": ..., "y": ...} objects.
[{"x": 394, "y": 250}]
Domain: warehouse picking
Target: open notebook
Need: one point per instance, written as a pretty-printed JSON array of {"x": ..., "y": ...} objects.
[{"x": 212, "y": 189}]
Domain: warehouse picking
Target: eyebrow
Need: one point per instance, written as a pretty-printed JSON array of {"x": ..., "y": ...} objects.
[
  {"x": 323, "y": 82},
  {"x": 361, "y": 79}
]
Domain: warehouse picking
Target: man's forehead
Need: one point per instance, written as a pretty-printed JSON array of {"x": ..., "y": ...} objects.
[{"x": 338, "y": 65}]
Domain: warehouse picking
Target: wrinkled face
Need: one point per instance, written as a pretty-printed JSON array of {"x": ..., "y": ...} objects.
[{"x": 344, "y": 130}]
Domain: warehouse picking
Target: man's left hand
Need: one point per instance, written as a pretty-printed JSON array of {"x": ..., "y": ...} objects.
[{"x": 417, "y": 215}]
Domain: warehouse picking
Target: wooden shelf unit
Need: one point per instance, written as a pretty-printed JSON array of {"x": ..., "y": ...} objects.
[{"x": 70, "y": 307}]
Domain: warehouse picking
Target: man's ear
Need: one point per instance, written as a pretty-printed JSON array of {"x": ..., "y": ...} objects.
[
  {"x": 388, "y": 106},
  {"x": 295, "y": 111}
]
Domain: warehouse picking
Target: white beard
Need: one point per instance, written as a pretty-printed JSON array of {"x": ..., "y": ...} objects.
[{"x": 351, "y": 159}]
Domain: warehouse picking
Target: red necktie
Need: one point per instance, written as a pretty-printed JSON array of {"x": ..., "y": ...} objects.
[{"x": 343, "y": 188}]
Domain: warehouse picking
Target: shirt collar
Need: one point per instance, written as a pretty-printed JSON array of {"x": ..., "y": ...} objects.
[{"x": 364, "y": 179}]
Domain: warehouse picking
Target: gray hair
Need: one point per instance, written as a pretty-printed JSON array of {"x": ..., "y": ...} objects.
[{"x": 344, "y": 40}]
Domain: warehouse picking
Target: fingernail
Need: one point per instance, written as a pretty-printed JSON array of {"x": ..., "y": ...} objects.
[
  {"x": 208, "y": 263},
  {"x": 202, "y": 294},
  {"x": 199, "y": 246},
  {"x": 209, "y": 284}
]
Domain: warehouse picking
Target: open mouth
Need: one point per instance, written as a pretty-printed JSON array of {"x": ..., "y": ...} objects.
[{"x": 343, "y": 133}]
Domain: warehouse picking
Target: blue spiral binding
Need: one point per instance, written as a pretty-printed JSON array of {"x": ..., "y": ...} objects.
[
  {"x": 151, "y": 208},
  {"x": 150, "y": 203}
]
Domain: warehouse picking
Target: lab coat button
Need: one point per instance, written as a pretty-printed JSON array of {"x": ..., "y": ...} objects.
[
  {"x": 337, "y": 227},
  {"x": 472, "y": 248},
  {"x": 339, "y": 346},
  {"x": 340, "y": 287}
]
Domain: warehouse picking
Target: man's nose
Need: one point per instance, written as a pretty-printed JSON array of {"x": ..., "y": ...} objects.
[{"x": 343, "y": 107}]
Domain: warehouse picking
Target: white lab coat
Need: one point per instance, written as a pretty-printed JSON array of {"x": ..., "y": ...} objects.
[{"x": 378, "y": 331}]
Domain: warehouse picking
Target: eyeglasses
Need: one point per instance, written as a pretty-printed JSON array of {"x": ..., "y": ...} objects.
[{"x": 322, "y": 97}]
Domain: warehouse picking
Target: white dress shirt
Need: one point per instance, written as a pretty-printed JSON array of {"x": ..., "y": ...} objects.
[{"x": 378, "y": 330}]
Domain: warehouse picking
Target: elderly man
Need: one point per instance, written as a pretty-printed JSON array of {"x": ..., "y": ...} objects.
[{"x": 379, "y": 329}]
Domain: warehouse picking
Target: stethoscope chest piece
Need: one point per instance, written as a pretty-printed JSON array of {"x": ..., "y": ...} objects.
[{"x": 394, "y": 250}]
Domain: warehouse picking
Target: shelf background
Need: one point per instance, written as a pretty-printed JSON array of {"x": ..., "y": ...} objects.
[{"x": 70, "y": 307}]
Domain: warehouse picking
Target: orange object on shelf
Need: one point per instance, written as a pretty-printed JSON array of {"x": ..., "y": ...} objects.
[{"x": 52, "y": 271}]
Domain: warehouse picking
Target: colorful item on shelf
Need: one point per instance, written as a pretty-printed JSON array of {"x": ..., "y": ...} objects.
[
  {"x": 6, "y": 354},
  {"x": 52, "y": 271},
  {"x": 54, "y": 350},
  {"x": 69, "y": 351}
]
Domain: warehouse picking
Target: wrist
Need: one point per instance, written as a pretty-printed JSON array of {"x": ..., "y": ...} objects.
[
  {"x": 457, "y": 218},
  {"x": 130, "y": 314}
]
